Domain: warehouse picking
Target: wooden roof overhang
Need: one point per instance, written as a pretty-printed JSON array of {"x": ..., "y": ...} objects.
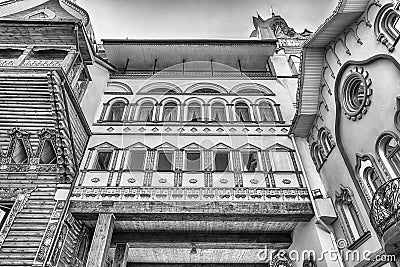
[
  {"x": 313, "y": 52},
  {"x": 145, "y": 55},
  {"x": 37, "y": 32}
]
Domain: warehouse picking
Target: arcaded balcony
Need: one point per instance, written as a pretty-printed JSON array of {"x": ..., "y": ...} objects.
[{"x": 385, "y": 215}]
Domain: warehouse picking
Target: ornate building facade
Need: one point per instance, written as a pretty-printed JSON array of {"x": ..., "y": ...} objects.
[{"x": 198, "y": 152}]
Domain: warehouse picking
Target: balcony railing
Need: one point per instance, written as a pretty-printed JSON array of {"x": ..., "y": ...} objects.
[{"x": 385, "y": 208}]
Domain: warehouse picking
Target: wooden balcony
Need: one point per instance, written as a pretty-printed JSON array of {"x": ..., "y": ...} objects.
[{"x": 385, "y": 215}]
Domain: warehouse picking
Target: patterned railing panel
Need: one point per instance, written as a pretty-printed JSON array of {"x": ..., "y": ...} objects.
[
  {"x": 385, "y": 207},
  {"x": 6, "y": 62},
  {"x": 42, "y": 63},
  {"x": 190, "y": 194}
]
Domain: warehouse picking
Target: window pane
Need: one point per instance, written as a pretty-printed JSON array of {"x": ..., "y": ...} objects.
[
  {"x": 221, "y": 161},
  {"x": 4, "y": 211},
  {"x": 194, "y": 112},
  {"x": 242, "y": 112},
  {"x": 48, "y": 155},
  {"x": 250, "y": 161},
  {"x": 218, "y": 112},
  {"x": 19, "y": 154},
  {"x": 136, "y": 160},
  {"x": 170, "y": 112},
  {"x": 146, "y": 112},
  {"x": 193, "y": 161},
  {"x": 103, "y": 160},
  {"x": 266, "y": 112},
  {"x": 281, "y": 161},
  {"x": 165, "y": 161},
  {"x": 116, "y": 111}
]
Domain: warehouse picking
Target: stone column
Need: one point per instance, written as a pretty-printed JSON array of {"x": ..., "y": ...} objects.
[
  {"x": 121, "y": 255},
  {"x": 101, "y": 240}
]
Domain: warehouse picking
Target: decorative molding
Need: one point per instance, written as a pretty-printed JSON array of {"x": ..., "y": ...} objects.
[
  {"x": 20, "y": 196},
  {"x": 134, "y": 194},
  {"x": 49, "y": 236}
]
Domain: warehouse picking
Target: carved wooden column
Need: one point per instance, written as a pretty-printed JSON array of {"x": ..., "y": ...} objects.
[
  {"x": 121, "y": 255},
  {"x": 101, "y": 240}
]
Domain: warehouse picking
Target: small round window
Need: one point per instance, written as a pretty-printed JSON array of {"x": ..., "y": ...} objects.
[{"x": 355, "y": 93}]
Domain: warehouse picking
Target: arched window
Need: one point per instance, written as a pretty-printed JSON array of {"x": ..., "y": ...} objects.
[
  {"x": 388, "y": 149},
  {"x": 242, "y": 112},
  {"x": 325, "y": 141},
  {"x": 266, "y": 112},
  {"x": 194, "y": 112},
  {"x": 387, "y": 25},
  {"x": 116, "y": 112},
  {"x": 146, "y": 111},
  {"x": 170, "y": 112},
  {"x": 349, "y": 215},
  {"x": 316, "y": 155},
  {"x": 218, "y": 112},
  {"x": 368, "y": 175}
]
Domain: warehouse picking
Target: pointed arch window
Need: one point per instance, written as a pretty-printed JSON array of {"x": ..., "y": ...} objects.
[
  {"x": 316, "y": 155},
  {"x": 388, "y": 149},
  {"x": 146, "y": 111},
  {"x": 368, "y": 175},
  {"x": 19, "y": 154},
  {"x": 116, "y": 112},
  {"x": 326, "y": 144},
  {"x": 349, "y": 216},
  {"x": 387, "y": 25},
  {"x": 242, "y": 112},
  {"x": 194, "y": 112},
  {"x": 170, "y": 112},
  {"x": 48, "y": 154},
  {"x": 266, "y": 111},
  {"x": 218, "y": 112}
]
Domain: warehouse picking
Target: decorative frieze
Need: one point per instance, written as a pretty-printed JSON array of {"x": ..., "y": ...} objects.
[{"x": 183, "y": 194}]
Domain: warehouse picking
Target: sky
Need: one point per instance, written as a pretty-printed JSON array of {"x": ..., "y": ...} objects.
[{"x": 197, "y": 19}]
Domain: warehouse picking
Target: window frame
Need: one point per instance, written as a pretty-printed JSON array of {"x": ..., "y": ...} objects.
[
  {"x": 237, "y": 116},
  {"x": 186, "y": 152},
  {"x": 221, "y": 106},
  {"x": 346, "y": 197},
  {"x": 111, "y": 105},
  {"x": 229, "y": 165},
  {"x": 200, "y": 109},
  {"x": 128, "y": 157},
  {"x": 157, "y": 159},
  {"x": 380, "y": 146},
  {"x": 95, "y": 160},
  {"x": 273, "y": 109},
  {"x": 162, "y": 115},
  {"x": 242, "y": 163},
  {"x": 143, "y": 105}
]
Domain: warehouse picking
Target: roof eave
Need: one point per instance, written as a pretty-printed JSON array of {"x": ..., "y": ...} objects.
[{"x": 347, "y": 11}]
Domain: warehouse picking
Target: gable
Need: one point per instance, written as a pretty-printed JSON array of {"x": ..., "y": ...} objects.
[{"x": 37, "y": 10}]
